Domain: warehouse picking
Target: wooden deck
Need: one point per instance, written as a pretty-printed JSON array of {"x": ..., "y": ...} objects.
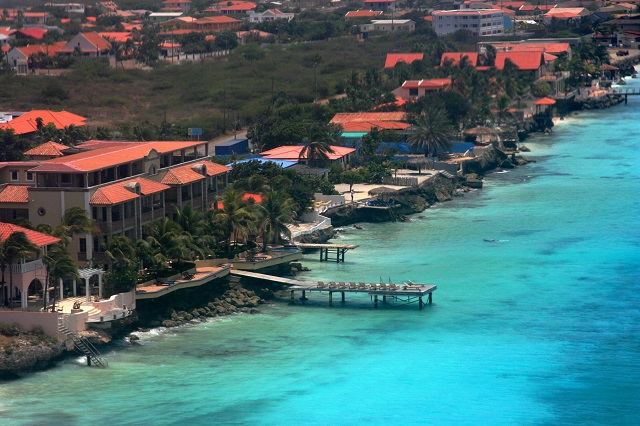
[{"x": 325, "y": 249}]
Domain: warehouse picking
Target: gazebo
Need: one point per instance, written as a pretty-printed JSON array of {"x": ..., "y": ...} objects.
[
  {"x": 482, "y": 132},
  {"x": 544, "y": 102},
  {"x": 609, "y": 71},
  {"x": 86, "y": 274}
]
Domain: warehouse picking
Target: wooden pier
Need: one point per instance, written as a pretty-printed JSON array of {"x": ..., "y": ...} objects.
[
  {"x": 403, "y": 294},
  {"x": 325, "y": 249}
]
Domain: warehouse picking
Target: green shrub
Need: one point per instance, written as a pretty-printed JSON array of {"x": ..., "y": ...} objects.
[{"x": 9, "y": 330}]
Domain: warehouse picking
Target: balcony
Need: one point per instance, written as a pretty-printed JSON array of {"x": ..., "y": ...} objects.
[{"x": 21, "y": 268}]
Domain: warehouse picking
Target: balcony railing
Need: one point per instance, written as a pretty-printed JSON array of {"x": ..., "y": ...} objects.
[{"x": 21, "y": 268}]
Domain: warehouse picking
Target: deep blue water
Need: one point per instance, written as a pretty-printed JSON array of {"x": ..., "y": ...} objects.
[{"x": 539, "y": 327}]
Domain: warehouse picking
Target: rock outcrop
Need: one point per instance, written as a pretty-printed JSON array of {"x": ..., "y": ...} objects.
[{"x": 28, "y": 352}]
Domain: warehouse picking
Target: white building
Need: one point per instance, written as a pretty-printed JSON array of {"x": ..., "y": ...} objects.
[
  {"x": 482, "y": 22},
  {"x": 389, "y": 25},
  {"x": 269, "y": 15}
]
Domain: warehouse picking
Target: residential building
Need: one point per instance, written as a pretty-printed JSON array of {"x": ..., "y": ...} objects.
[
  {"x": 177, "y": 5},
  {"x": 382, "y": 5},
  {"x": 394, "y": 59},
  {"x": 340, "y": 155},
  {"x": 414, "y": 89},
  {"x": 389, "y": 25},
  {"x": 238, "y": 7},
  {"x": 565, "y": 14},
  {"x": 366, "y": 121},
  {"x": 69, "y": 8},
  {"x": 27, "y": 123},
  {"x": 551, "y": 47},
  {"x": 87, "y": 44},
  {"x": 216, "y": 24},
  {"x": 454, "y": 58},
  {"x": 157, "y": 17},
  {"x": 360, "y": 14},
  {"x": 526, "y": 61},
  {"x": 124, "y": 186},
  {"x": 36, "y": 17},
  {"x": 270, "y": 15},
  {"x": 18, "y": 57},
  {"x": 482, "y": 22}
]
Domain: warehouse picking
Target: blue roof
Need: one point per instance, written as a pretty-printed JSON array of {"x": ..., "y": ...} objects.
[
  {"x": 282, "y": 163},
  {"x": 232, "y": 142},
  {"x": 353, "y": 134}
]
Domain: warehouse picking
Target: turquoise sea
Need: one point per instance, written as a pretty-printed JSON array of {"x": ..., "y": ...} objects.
[{"x": 540, "y": 326}]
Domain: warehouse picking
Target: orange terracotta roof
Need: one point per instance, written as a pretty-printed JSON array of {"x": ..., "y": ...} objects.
[
  {"x": 92, "y": 37},
  {"x": 552, "y": 48},
  {"x": 26, "y": 123},
  {"x": 433, "y": 83},
  {"x": 247, "y": 198},
  {"x": 363, "y": 13},
  {"x": 119, "y": 37},
  {"x": 14, "y": 194},
  {"x": 36, "y": 33},
  {"x": 34, "y": 49},
  {"x": 394, "y": 58},
  {"x": 545, "y": 101},
  {"x": 348, "y": 117},
  {"x": 456, "y": 57},
  {"x": 37, "y": 238},
  {"x": 367, "y": 126},
  {"x": 525, "y": 61},
  {"x": 50, "y": 148},
  {"x": 182, "y": 175},
  {"x": 118, "y": 192},
  {"x": 108, "y": 155},
  {"x": 240, "y": 7},
  {"x": 292, "y": 152}
]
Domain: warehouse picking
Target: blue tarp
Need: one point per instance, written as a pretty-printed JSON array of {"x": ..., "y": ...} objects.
[{"x": 405, "y": 148}]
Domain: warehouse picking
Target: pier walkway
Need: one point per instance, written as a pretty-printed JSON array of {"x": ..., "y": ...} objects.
[
  {"x": 325, "y": 249},
  {"x": 405, "y": 293}
]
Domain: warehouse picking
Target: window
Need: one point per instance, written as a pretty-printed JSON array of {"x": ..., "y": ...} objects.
[
  {"x": 30, "y": 176},
  {"x": 65, "y": 178},
  {"x": 83, "y": 245},
  {"x": 15, "y": 175}
]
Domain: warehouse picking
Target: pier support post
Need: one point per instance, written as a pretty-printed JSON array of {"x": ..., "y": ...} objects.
[
  {"x": 420, "y": 302},
  {"x": 304, "y": 295},
  {"x": 88, "y": 361},
  {"x": 330, "y": 298},
  {"x": 375, "y": 300},
  {"x": 430, "y": 297},
  {"x": 292, "y": 297},
  {"x": 342, "y": 296},
  {"x": 384, "y": 299},
  {"x": 625, "y": 98}
]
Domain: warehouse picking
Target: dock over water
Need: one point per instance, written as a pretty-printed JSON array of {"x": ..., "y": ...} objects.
[
  {"x": 325, "y": 249},
  {"x": 405, "y": 293}
]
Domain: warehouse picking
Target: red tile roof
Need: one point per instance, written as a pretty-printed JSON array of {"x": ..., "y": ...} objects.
[
  {"x": 187, "y": 173},
  {"x": 94, "y": 38},
  {"x": 34, "y": 49},
  {"x": 367, "y": 126},
  {"x": 108, "y": 155},
  {"x": 456, "y": 57},
  {"x": 247, "y": 197},
  {"x": 433, "y": 83},
  {"x": 14, "y": 194},
  {"x": 26, "y": 123},
  {"x": 119, "y": 192},
  {"x": 349, "y": 117},
  {"x": 394, "y": 58},
  {"x": 292, "y": 152},
  {"x": 545, "y": 101},
  {"x": 240, "y": 7},
  {"x": 525, "y": 61},
  {"x": 119, "y": 37},
  {"x": 36, "y": 33},
  {"x": 50, "y": 148},
  {"x": 37, "y": 238},
  {"x": 532, "y": 47},
  {"x": 363, "y": 13}
]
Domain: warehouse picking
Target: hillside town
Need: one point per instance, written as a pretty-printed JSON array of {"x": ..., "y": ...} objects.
[{"x": 106, "y": 215}]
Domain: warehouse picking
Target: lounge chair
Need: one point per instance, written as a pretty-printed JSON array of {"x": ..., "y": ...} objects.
[
  {"x": 333, "y": 284},
  {"x": 321, "y": 284}
]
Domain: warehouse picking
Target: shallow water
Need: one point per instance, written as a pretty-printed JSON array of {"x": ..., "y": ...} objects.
[{"x": 540, "y": 326}]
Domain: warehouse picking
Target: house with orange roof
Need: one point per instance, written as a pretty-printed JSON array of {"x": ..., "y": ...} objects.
[
  {"x": 87, "y": 44},
  {"x": 36, "y": 17},
  {"x": 18, "y": 57},
  {"x": 28, "y": 123},
  {"x": 29, "y": 270},
  {"x": 366, "y": 121},
  {"x": 270, "y": 15},
  {"x": 31, "y": 34},
  {"x": 123, "y": 185},
  {"x": 394, "y": 59},
  {"x": 525, "y": 61},
  {"x": 116, "y": 36},
  {"x": 551, "y": 46},
  {"x": 534, "y": 9},
  {"x": 340, "y": 155},
  {"x": 182, "y": 22},
  {"x": 46, "y": 151},
  {"x": 454, "y": 58},
  {"x": 216, "y": 24},
  {"x": 360, "y": 14},
  {"x": 565, "y": 14},
  {"x": 238, "y": 7},
  {"x": 414, "y": 89},
  {"x": 158, "y": 17},
  {"x": 177, "y": 5},
  {"x": 67, "y": 8}
]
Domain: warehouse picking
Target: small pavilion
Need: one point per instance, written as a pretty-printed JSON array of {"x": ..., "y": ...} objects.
[{"x": 544, "y": 105}]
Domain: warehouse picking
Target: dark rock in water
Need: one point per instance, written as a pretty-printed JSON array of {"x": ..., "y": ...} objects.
[
  {"x": 357, "y": 226},
  {"x": 524, "y": 149},
  {"x": 170, "y": 323},
  {"x": 133, "y": 337}
]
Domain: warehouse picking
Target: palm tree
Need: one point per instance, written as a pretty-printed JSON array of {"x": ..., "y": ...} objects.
[
  {"x": 59, "y": 265},
  {"x": 234, "y": 217},
  {"x": 76, "y": 221},
  {"x": 164, "y": 237},
  {"x": 15, "y": 247},
  {"x": 192, "y": 224},
  {"x": 276, "y": 211},
  {"x": 316, "y": 151},
  {"x": 432, "y": 132}
]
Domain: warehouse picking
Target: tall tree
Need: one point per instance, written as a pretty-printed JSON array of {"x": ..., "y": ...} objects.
[
  {"x": 15, "y": 247},
  {"x": 432, "y": 132},
  {"x": 59, "y": 265},
  {"x": 277, "y": 209},
  {"x": 233, "y": 217},
  {"x": 315, "y": 151}
]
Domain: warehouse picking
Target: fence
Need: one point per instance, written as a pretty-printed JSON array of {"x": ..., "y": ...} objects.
[{"x": 400, "y": 181}]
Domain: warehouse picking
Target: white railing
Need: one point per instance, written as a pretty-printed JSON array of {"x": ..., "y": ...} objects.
[
  {"x": 21, "y": 268},
  {"x": 323, "y": 222}
]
